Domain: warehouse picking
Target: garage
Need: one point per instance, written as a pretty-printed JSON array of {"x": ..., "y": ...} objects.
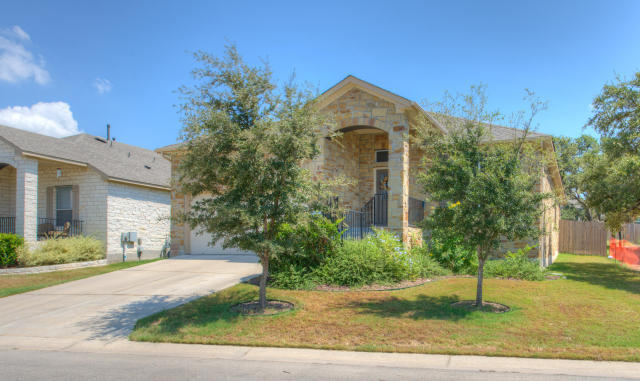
[{"x": 199, "y": 244}]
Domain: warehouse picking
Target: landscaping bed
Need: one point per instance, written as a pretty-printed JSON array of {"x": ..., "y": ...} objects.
[{"x": 590, "y": 314}]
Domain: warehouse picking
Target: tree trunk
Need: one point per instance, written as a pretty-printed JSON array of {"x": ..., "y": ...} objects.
[
  {"x": 263, "y": 282},
  {"x": 479, "y": 287}
]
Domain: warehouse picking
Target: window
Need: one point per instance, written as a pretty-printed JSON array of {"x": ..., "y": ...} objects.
[
  {"x": 382, "y": 156},
  {"x": 64, "y": 208}
]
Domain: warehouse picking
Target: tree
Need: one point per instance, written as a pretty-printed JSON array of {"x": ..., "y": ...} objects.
[
  {"x": 485, "y": 189},
  {"x": 611, "y": 179},
  {"x": 246, "y": 138},
  {"x": 572, "y": 156}
]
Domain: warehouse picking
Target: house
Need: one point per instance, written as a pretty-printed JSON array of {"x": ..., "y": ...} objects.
[
  {"x": 84, "y": 185},
  {"x": 375, "y": 151}
]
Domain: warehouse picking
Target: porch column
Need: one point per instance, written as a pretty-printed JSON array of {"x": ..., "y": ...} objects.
[
  {"x": 398, "y": 215},
  {"x": 27, "y": 198}
]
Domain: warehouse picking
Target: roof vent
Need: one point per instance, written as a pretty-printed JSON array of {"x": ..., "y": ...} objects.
[{"x": 100, "y": 140}]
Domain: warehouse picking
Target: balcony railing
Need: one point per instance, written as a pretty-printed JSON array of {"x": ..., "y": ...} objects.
[
  {"x": 8, "y": 225},
  {"x": 50, "y": 228}
]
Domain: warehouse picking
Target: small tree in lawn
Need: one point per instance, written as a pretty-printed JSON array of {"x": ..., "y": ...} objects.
[
  {"x": 485, "y": 189},
  {"x": 246, "y": 139}
]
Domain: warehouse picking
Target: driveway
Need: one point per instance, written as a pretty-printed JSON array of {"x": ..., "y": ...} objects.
[{"x": 105, "y": 307}]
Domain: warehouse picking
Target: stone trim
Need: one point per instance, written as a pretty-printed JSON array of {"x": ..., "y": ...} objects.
[{"x": 51, "y": 268}]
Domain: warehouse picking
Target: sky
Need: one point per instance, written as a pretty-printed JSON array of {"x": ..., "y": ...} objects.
[{"x": 74, "y": 66}]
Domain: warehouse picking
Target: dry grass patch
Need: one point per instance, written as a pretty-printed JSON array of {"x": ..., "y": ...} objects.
[{"x": 592, "y": 314}]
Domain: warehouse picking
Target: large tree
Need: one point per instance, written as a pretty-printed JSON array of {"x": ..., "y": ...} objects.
[
  {"x": 612, "y": 179},
  {"x": 573, "y": 155},
  {"x": 485, "y": 189},
  {"x": 246, "y": 138}
]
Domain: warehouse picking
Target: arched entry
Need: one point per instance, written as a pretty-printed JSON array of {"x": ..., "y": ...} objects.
[{"x": 7, "y": 198}]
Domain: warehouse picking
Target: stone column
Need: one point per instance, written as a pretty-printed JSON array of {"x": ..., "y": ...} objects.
[
  {"x": 27, "y": 198},
  {"x": 398, "y": 215}
]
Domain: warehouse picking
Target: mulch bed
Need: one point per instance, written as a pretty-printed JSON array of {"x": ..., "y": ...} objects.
[
  {"x": 253, "y": 308},
  {"x": 486, "y": 306}
]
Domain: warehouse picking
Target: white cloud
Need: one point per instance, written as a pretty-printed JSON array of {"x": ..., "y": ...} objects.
[
  {"x": 53, "y": 119},
  {"x": 103, "y": 85},
  {"x": 20, "y": 33},
  {"x": 17, "y": 63}
]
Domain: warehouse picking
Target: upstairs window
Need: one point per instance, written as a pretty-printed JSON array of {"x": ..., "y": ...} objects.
[{"x": 382, "y": 156}]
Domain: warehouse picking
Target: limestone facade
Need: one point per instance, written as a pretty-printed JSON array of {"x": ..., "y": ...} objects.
[{"x": 28, "y": 189}]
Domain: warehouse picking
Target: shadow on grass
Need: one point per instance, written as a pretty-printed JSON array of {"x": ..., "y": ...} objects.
[
  {"x": 422, "y": 307},
  {"x": 606, "y": 274},
  {"x": 209, "y": 310}
]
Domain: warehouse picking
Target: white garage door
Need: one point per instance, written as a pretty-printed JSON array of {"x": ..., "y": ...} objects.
[{"x": 200, "y": 245}]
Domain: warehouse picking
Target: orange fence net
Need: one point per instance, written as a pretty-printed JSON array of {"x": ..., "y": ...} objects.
[{"x": 624, "y": 251}]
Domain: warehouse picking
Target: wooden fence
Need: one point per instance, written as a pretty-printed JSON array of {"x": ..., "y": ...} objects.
[{"x": 591, "y": 238}]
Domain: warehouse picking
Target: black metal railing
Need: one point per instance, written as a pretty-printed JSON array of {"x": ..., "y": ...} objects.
[
  {"x": 356, "y": 224},
  {"x": 8, "y": 225},
  {"x": 416, "y": 211},
  {"x": 51, "y": 228},
  {"x": 376, "y": 210}
]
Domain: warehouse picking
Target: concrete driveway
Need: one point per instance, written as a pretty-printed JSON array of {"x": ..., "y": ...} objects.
[{"x": 105, "y": 307}]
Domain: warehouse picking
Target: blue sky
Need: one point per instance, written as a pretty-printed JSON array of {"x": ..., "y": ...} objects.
[{"x": 67, "y": 66}]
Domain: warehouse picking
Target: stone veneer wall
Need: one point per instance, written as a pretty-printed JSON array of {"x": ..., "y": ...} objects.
[
  {"x": 137, "y": 209},
  {"x": 359, "y": 108},
  {"x": 92, "y": 195}
]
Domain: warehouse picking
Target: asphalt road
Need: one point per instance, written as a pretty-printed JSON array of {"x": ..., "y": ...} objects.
[{"x": 59, "y": 365}]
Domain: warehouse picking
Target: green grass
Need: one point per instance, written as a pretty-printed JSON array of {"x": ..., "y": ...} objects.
[
  {"x": 592, "y": 314},
  {"x": 17, "y": 284}
]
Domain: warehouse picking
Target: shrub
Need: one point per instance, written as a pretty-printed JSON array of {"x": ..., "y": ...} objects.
[
  {"x": 452, "y": 254},
  {"x": 63, "y": 250},
  {"x": 303, "y": 248},
  {"x": 10, "y": 245},
  {"x": 515, "y": 266},
  {"x": 380, "y": 258}
]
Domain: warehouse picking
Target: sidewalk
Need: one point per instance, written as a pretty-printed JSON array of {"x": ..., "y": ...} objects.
[{"x": 311, "y": 356}]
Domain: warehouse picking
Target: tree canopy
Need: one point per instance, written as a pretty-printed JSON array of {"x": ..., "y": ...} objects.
[
  {"x": 573, "y": 155},
  {"x": 246, "y": 138},
  {"x": 612, "y": 180},
  {"x": 485, "y": 190}
]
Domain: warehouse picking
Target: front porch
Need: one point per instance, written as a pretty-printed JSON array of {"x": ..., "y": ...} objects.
[{"x": 36, "y": 202}]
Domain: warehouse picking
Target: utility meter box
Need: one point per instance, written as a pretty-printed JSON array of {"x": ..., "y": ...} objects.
[{"x": 129, "y": 237}]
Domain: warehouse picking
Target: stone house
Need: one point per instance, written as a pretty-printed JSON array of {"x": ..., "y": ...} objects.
[
  {"x": 84, "y": 185},
  {"x": 374, "y": 151}
]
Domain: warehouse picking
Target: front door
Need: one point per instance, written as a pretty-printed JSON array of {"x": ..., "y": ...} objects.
[{"x": 382, "y": 180}]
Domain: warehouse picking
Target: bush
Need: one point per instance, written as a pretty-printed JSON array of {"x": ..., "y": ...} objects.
[
  {"x": 380, "y": 258},
  {"x": 63, "y": 250},
  {"x": 10, "y": 245},
  {"x": 452, "y": 254},
  {"x": 515, "y": 266},
  {"x": 303, "y": 248}
]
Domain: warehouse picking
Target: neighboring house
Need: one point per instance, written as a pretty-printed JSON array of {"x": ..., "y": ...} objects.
[
  {"x": 83, "y": 185},
  {"x": 375, "y": 151}
]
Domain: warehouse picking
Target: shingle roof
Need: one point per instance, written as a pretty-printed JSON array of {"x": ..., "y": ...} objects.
[
  {"x": 498, "y": 133},
  {"x": 115, "y": 160}
]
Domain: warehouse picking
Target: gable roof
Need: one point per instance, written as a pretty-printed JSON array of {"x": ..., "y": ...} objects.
[{"x": 113, "y": 160}]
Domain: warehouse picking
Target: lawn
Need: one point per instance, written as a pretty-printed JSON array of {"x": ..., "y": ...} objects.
[
  {"x": 592, "y": 314},
  {"x": 17, "y": 284}
]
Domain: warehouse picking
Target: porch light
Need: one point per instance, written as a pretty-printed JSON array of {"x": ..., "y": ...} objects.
[{"x": 58, "y": 172}]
